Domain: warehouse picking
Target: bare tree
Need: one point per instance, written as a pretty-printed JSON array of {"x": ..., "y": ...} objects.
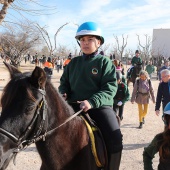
[
  {"x": 122, "y": 47},
  {"x": 45, "y": 51},
  {"x": 17, "y": 43},
  {"x": 47, "y": 39},
  {"x": 22, "y": 7},
  {"x": 6, "y": 5},
  {"x": 105, "y": 47},
  {"x": 128, "y": 55},
  {"x": 146, "y": 47},
  {"x": 62, "y": 51},
  {"x": 76, "y": 50}
]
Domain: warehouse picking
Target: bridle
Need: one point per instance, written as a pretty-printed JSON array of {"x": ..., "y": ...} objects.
[
  {"x": 137, "y": 69},
  {"x": 22, "y": 142}
]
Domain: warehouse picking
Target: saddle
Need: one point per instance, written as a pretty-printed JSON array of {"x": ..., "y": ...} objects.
[{"x": 97, "y": 142}]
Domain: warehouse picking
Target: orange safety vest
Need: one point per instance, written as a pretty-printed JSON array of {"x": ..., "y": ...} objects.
[
  {"x": 66, "y": 62},
  {"x": 48, "y": 64}
]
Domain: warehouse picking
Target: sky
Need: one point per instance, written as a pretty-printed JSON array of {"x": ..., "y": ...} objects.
[{"x": 115, "y": 17}]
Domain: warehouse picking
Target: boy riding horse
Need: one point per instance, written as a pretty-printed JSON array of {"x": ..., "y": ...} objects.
[{"x": 135, "y": 60}]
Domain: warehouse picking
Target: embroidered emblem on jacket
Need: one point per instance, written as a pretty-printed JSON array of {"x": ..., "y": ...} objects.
[{"x": 94, "y": 71}]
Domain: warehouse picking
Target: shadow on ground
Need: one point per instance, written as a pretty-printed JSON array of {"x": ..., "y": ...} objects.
[
  {"x": 129, "y": 126},
  {"x": 134, "y": 146}
]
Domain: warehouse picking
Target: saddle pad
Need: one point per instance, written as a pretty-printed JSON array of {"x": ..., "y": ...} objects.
[{"x": 97, "y": 144}]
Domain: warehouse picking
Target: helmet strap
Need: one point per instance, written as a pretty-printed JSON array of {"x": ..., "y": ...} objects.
[{"x": 78, "y": 43}]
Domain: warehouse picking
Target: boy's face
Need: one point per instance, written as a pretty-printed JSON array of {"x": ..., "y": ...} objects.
[
  {"x": 89, "y": 44},
  {"x": 137, "y": 54}
]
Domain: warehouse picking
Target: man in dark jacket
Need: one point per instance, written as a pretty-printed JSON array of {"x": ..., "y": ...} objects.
[
  {"x": 163, "y": 93},
  {"x": 166, "y": 66}
]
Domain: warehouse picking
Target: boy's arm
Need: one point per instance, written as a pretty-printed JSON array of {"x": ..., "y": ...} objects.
[{"x": 127, "y": 95}]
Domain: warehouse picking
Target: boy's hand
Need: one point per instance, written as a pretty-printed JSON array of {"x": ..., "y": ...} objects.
[
  {"x": 85, "y": 105},
  {"x": 64, "y": 96},
  {"x": 119, "y": 103}
]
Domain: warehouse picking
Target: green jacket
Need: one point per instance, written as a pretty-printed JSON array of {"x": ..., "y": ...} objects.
[
  {"x": 150, "y": 68},
  {"x": 92, "y": 79},
  {"x": 124, "y": 79},
  {"x": 122, "y": 94},
  {"x": 149, "y": 154},
  {"x": 136, "y": 60}
]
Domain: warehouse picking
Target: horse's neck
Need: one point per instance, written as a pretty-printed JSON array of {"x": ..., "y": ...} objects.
[{"x": 64, "y": 143}]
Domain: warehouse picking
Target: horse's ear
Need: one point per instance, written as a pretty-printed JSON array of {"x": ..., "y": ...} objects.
[
  {"x": 38, "y": 78},
  {"x": 12, "y": 70}
]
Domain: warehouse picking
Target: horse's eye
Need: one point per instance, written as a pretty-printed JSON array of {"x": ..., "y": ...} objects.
[{"x": 30, "y": 108}]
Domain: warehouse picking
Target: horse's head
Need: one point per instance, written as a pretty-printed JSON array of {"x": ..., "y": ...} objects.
[
  {"x": 137, "y": 68},
  {"x": 22, "y": 103}
]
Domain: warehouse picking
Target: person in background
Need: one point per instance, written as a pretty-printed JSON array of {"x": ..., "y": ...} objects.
[
  {"x": 89, "y": 83},
  {"x": 116, "y": 63},
  {"x": 121, "y": 97},
  {"x": 161, "y": 144},
  {"x": 48, "y": 67},
  {"x": 101, "y": 52},
  {"x": 36, "y": 59},
  {"x": 67, "y": 61},
  {"x": 150, "y": 69},
  {"x": 135, "y": 60},
  {"x": 122, "y": 66},
  {"x": 166, "y": 66},
  {"x": 119, "y": 70},
  {"x": 141, "y": 94},
  {"x": 58, "y": 63},
  {"x": 163, "y": 93},
  {"x": 61, "y": 63}
]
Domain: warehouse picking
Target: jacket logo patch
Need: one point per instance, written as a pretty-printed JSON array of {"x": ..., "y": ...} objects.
[{"x": 95, "y": 71}]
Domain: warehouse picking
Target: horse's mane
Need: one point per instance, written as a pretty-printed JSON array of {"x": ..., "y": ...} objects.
[{"x": 57, "y": 100}]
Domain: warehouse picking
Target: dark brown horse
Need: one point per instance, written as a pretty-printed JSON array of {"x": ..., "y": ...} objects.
[
  {"x": 135, "y": 73},
  {"x": 31, "y": 108}
]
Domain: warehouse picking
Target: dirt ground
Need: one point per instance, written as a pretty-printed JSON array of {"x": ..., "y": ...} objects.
[{"x": 134, "y": 139}]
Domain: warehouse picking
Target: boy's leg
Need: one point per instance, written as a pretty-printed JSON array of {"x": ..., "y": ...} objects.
[
  {"x": 121, "y": 108},
  {"x": 115, "y": 108},
  {"x": 108, "y": 124}
]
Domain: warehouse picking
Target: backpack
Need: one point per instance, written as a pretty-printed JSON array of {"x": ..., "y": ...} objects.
[
  {"x": 120, "y": 96},
  {"x": 149, "y": 81}
]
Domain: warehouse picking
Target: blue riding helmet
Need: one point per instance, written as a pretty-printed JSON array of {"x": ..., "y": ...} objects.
[
  {"x": 167, "y": 109},
  {"x": 166, "y": 112},
  {"x": 89, "y": 28}
]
